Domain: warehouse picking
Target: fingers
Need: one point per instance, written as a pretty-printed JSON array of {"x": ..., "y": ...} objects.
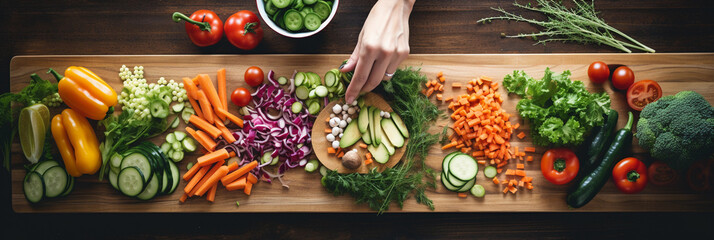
[
  {"x": 377, "y": 74},
  {"x": 364, "y": 65},
  {"x": 352, "y": 61}
]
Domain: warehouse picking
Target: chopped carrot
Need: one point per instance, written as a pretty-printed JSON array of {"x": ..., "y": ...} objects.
[
  {"x": 195, "y": 179},
  {"x": 212, "y": 193},
  {"x": 482, "y": 162},
  {"x": 212, "y": 157},
  {"x": 327, "y": 119},
  {"x": 529, "y": 149},
  {"x": 456, "y": 85},
  {"x": 248, "y": 188},
  {"x": 520, "y": 166},
  {"x": 448, "y": 99},
  {"x": 368, "y": 155},
  {"x": 341, "y": 154},
  {"x": 191, "y": 94},
  {"x": 198, "y": 138},
  {"x": 362, "y": 145},
  {"x": 221, "y": 82},
  {"x": 510, "y": 172},
  {"x": 233, "y": 166},
  {"x": 462, "y": 195},
  {"x": 252, "y": 178},
  {"x": 205, "y": 106},
  {"x": 368, "y": 161},
  {"x": 330, "y": 150},
  {"x": 205, "y": 177},
  {"x": 513, "y": 189},
  {"x": 529, "y": 158},
  {"x": 520, "y": 173},
  {"x": 236, "y": 120},
  {"x": 328, "y": 130},
  {"x": 237, "y": 184},
  {"x": 212, "y": 180},
  {"x": 505, "y": 190},
  {"x": 527, "y": 179},
  {"x": 439, "y": 74},
  {"x": 439, "y": 96},
  {"x": 227, "y": 135},
  {"x": 499, "y": 170},
  {"x": 207, "y": 140},
  {"x": 495, "y": 180},
  {"x": 239, "y": 172},
  {"x": 442, "y": 79},
  {"x": 521, "y": 135},
  {"x": 210, "y": 91},
  {"x": 429, "y": 91},
  {"x": 214, "y": 132}
]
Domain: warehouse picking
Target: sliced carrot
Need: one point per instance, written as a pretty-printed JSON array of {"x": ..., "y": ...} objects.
[
  {"x": 520, "y": 173},
  {"x": 505, "y": 190},
  {"x": 330, "y": 150},
  {"x": 529, "y": 158},
  {"x": 212, "y": 193},
  {"x": 510, "y": 172},
  {"x": 237, "y": 184},
  {"x": 495, "y": 180},
  {"x": 227, "y": 135},
  {"x": 513, "y": 189},
  {"x": 461, "y": 195},
  {"x": 205, "y": 126},
  {"x": 429, "y": 91},
  {"x": 448, "y": 99},
  {"x": 529, "y": 149},
  {"x": 482, "y": 162},
  {"x": 212, "y": 157},
  {"x": 211, "y": 171},
  {"x": 207, "y": 140},
  {"x": 456, "y": 85},
  {"x": 248, "y": 188},
  {"x": 236, "y": 120},
  {"x": 195, "y": 179},
  {"x": 252, "y": 178},
  {"x": 499, "y": 170},
  {"x": 205, "y": 106},
  {"x": 520, "y": 166},
  {"x": 212, "y": 180},
  {"x": 368, "y": 161},
  {"x": 183, "y": 197},
  {"x": 442, "y": 79},
  {"x": 221, "y": 82},
  {"x": 362, "y": 145},
  {"x": 521, "y": 135},
  {"x": 341, "y": 154},
  {"x": 529, "y": 186},
  {"x": 527, "y": 179},
  {"x": 239, "y": 172}
]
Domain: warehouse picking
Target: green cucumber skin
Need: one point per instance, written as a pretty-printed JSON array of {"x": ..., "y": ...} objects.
[
  {"x": 591, "y": 184},
  {"x": 599, "y": 141}
]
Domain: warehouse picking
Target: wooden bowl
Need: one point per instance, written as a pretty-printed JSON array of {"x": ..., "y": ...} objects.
[{"x": 320, "y": 144}]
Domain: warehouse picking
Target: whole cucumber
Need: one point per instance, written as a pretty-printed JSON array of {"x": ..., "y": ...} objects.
[
  {"x": 600, "y": 139},
  {"x": 591, "y": 184}
]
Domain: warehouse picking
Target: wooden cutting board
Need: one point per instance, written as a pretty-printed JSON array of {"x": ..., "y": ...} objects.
[{"x": 674, "y": 72}]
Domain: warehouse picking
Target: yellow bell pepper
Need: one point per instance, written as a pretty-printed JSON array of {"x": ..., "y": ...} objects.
[
  {"x": 76, "y": 142},
  {"x": 86, "y": 93}
]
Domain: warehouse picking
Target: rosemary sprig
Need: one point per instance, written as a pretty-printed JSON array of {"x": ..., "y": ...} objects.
[{"x": 578, "y": 24}]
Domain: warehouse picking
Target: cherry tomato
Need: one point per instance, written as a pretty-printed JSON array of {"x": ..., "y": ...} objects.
[
  {"x": 254, "y": 76},
  {"x": 241, "y": 97},
  {"x": 630, "y": 175},
  {"x": 642, "y": 93},
  {"x": 243, "y": 30},
  {"x": 622, "y": 78},
  {"x": 660, "y": 174},
  {"x": 598, "y": 72},
  {"x": 204, "y": 27},
  {"x": 559, "y": 165}
]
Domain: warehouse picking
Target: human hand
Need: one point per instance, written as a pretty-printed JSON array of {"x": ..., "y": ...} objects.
[{"x": 382, "y": 45}]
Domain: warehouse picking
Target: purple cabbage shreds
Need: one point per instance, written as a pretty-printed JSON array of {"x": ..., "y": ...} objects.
[{"x": 285, "y": 135}]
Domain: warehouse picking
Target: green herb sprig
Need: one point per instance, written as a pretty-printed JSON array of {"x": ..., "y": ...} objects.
[
  {"x": 411, "y": 176},
  {"x": 578, "y": 24}
]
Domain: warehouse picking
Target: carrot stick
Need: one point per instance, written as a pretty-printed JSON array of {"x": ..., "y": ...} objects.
[
  {"x": 212, "y": 193},
  {"x": 195, "y": 179},
  {"x": 189, "y": 174},
  {"x": 233, "y": 166},
  {"x": 495, "y": 180},
  {"x": 238, "y": 173},
  {"x": 529, "y": 149},
  {"x": 520, "y": 166},
  {"x": 212, "y": 180},
  {"x": 205, "y": 106},
  {"x": 221, "y": 81},
  {"x": 191, "y": 90},
  {"x": 207, "y": 140},
  {"x": 213, "y": 157},
  {"x": 330, "y": 150},
  {"x": 183, "y": 197},
  {"x": 237, "y": 184},
  {"x": 198, "y": 139},
  {"x": 362, "y": 145},
  {"x": 205, "y": 126},
  {"x": 227, "y": 135},
  {"x": 231, "y": 117},
  {"x": 252, "y": 178},
  {"x": 529, "y": 158},
  {"x": 205, "y": 177},
  {"x": 248, "y": 188},
  {"x": 368, "y": 161},
  {"x": 461, "y": 194},
  {"x": 521, "y": 135},
  {"x": 210, "y": 91}
]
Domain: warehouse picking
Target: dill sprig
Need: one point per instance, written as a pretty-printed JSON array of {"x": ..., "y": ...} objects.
[
  {"x": 578, "y": 24},
  {"x": 411, "y": 176}
]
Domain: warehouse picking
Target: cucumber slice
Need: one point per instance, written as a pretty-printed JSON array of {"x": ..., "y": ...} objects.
[
  {"x": 321, "y": 91},
  {"x": 455, "y": 181},
  {"x": 55, "y": 180},
  {"x": 189, "y": 144},
  {"x": 179, "y": 135},
  {"x": 282, "y": 3},
  {"x": 365, "y": 138},
  {"x": 322, "y": 9},
  {"x": 174, "y": 176},
  {"x": 350, "y": 136},
  {"x": 312, "y": 21},
  {"x": 323, "y": 170},
  {"x": 467, "y": 186},
  {"x": 392, "y": 133},
  {"x": 370, "y": 120},
  {"x": 293, "y": 20},
  {"x": 69, "y": 187},
  {"x": 478, "y": 191},
  {"x": 275, "y": 161},
  {"x": 165, "y": 95},
  {"x": 139, "y": 161},
  {"x": 400, "y": 124},
  {"x": 177, "y": 156},
  {"x": 463, "y": 167},
  {"x": 302, "y": 92},
  {"x": 312, "y": 165},
  {"x": 166, "y": 147},
  {"x": 266, "y": 158},
  {"x": 447, "y": 184},
  {"x": 170, "y": 138},
  {"x": 177, "y": 107},
  {"x": 387, "y": 144},
  {"x": 151, "y": 189},
  {"x": 159, "y": 108},
  {"x": 309, "y": 2},
  {"x": 313, "y": 108},
  {"x": 312, "y": 94},
  {"x": 189, "y": 166},
  {"x": 296, "y": 107},
  {"x": 282, "y": 80},
  {"x": 380, "y": 153},
  {"x": 363, "y": 120},
  {"x": 130, "y": 181},
  {"x": 186, "y": 114},
  {"x": 490, "y": 172},
  {"x": 447, "y": 159},
  {"x": 175, "y": 122},
  {"x": 113, "y": 179},
  {"x": 300, "y": 78},
  {"x": 43, "y": 166},
  {"x": 313, "y": 78},
  {"x": 33, "y": 187},
  {"x": 270, "y": 8},
  {"x": 331, "y": 79},
  {"x": 115, "y": 160}
]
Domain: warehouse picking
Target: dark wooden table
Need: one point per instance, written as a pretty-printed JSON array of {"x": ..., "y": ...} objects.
[{"x": 437, "y": 26}]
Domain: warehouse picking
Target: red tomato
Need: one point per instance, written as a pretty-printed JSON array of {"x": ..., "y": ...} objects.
[
  {"x": 241, "y": 97},
  {"x": 254, "y": 76},
  {"x": 243, "y": 30},
  {"x": 204, "y": 27},
  {"x": 642, "y": 93},
  {"x": 661, "y": 174},
  {"x": 622, "y": 78},
  {"x": 598, "y": 72},
  {"x": 630, "y": 175},
  {"x": 559, "y": 165}
]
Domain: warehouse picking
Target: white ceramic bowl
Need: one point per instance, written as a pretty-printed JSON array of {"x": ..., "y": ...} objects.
[{"x": 276, "y": 28}]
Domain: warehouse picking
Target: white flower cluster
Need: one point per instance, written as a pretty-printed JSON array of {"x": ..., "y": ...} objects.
[{"x": 137, "y": 92}]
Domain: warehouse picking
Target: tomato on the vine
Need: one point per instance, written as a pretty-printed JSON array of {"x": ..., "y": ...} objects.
[
  {"x": 559, "y": 165},
  {"x": 642, "y": 93},
  {"x": 598, "y": 72},
  {"x": 622, "y": 78},
  {"x": 241, "y": 97},
  {"x": 630, "y": 175},
  {"x": 243, "y": 30},
  {"x": 254, "y": 76}
]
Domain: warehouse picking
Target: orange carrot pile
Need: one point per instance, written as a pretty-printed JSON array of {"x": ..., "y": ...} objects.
[
  {"x": 435, "y": 85},
  {"x": 204, "y": 179}
]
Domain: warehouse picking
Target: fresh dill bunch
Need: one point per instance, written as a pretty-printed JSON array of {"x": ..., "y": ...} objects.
[
  {"x": 578, "y": 24},
  {"x": 411, "y": 176}
]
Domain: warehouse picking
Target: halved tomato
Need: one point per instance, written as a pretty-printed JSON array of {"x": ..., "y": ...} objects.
[{"x": 642, "y": 93}]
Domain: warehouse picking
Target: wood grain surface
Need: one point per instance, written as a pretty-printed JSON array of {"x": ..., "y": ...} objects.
[{"x": 674, "y": 72}]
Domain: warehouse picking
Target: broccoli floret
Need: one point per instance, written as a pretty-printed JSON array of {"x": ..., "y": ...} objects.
[{"x": 677, "y": 129}]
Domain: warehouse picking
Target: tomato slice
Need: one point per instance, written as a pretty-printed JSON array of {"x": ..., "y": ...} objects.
[{"x": 642, "y": 93}]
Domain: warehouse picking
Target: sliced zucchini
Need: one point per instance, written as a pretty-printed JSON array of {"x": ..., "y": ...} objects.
[
  {"x": 179, "y": 135},
  {"x": 175, "y": 122},
  {"x": 363, "y": 120},
  {"x": 350, "y": 136},
  {"x": 150, "y": 190},
  {"x": 386, "y": 142},
  {"x": 56, "y": 180},
  {"x": 282, "y": 80},
  {"x": 365, "y": 138},
  {"x": 43, "y": 166},
  {"x": 170, "y": 138},
  {"x": 400, "y": 124},
  {"x": 113, "y": 179},
  {"x": 467, "y": 186},
  {"x": 447, "y": 184},
  {"x": 478, "y": 191},
  {"x": 186, "y": 114},
  {"x": 140, "y": 161},
  {"x": 188, "y": 144},
  {"x": 159, "y": 108},
  {"x": 302, "y": 92},
  {"x": 490, "y": 172},
  {"x": 33, "y": 187},
  {"x": 463, "y": 167},
  {"x": 174, "y": 176},
  {"x": 130, "y": 181},
  {"x": 380, "y": 153},
  {"x": 177, "y": 107},
  {"x": 392, "y": 133},
  {"x": 377, "y": 131},
  {"x": 166, "y": 147}
]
